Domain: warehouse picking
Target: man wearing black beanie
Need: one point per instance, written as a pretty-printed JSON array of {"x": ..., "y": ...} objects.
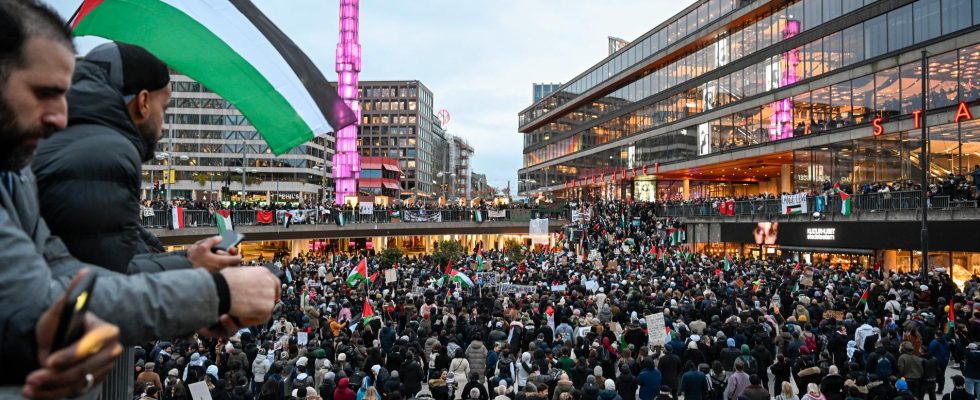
[{"x": 89, "y": 177}]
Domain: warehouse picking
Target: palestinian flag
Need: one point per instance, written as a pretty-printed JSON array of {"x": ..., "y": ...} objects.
[
  {"x": 177, "y": 216},
  {"x": 464, "y": 281},
  {"x": 223, "y": 220},
  {"x": 950, "y": 318},
  {"x": 287, "y": 217},
  {"x": 653, "y": 251},
  {"x": 230, "y": 47},
  {"x": 864, "y": 299},
  {"x": 477, "y": 216},
  {"x": 358, "y": 274},
  {"x": 368, "y": 312},
  {"x": 662, "y": 254},
  {"x": 373, "y": 277},
  {"x": 479, "y": 259},
  {"x": 845, "y": 203},
  {"x": 675, "y": 236}
]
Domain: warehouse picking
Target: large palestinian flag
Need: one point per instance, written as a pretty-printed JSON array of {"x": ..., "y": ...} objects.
[{"x": 234, "y": 50}]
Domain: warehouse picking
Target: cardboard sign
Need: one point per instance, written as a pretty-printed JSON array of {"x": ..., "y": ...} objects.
[
  {"x": 597, "y": 264},
  {"x": 656, "y": 332},
  {"x": 199, "y": 391},
  {"x": 329, "y": 278},
  {"x": 835, "y": 314},
  {"x": 613, "y": 265},
  {"x": 391, "y": 276},
  {"x": 806, "y": 281}
]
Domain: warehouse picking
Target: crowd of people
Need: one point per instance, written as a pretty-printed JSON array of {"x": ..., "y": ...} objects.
[
  {"x": 734, "y": 327},
  {"x": 577, "y": 321}
]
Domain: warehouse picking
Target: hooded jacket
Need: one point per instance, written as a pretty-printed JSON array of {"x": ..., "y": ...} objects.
[
  {"x": 476, "y": 353},
  {"x": 343, "y": 391},
  {"x": 89, "y": 178}
]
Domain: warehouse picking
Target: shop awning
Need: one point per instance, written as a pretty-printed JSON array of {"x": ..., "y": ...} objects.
[
  {"x": 392, "y": 167},
  {"x": 832, "y": 250},
  {"x": 365, "y": 165},
  {"x": 391, "y": 185}
]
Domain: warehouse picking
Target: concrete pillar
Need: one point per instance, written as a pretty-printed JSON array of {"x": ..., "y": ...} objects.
[
  {"x": 687, "y": 189},
  {"x": 890, "y": 262},
  {"x": 786, "y": 178}
]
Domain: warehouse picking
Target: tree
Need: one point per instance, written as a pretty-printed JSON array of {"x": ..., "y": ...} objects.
[
  {"x": 513, "y": 249},
  {"x": 448, "y": 249},
  {"x": 390, "y": 256}
]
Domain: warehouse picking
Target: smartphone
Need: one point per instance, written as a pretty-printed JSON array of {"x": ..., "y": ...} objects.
[
  {"x": 229, "y": 239},
  {"x": 71, "y": 323}
]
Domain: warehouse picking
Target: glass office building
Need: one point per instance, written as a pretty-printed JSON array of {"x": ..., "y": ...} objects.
[
  {"x": 213, "y": 147},
  {"x": 732, "y": 98}
]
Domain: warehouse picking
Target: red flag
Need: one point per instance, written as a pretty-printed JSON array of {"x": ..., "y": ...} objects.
[
  {"x": 374, "y": 276},
  {"x": 263, "y": 217},
  {"x": 368, "y": 312}
]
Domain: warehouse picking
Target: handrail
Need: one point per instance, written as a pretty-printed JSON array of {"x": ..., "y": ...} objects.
[
  {"x": 161, "y": 219},
  {"x": 832, "y": 204}
]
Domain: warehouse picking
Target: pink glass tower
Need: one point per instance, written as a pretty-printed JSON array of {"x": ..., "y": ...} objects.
[
  {"x": 346, "y": 160},
  {"x": 781, "y": 121}
]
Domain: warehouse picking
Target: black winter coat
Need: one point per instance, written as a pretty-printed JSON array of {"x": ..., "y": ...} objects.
[{"x": 89, "y": 178}]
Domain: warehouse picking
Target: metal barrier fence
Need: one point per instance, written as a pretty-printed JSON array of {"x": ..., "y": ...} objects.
[
  {"x": 870, "y": 202},
  {"x": 204, "y": 218}
]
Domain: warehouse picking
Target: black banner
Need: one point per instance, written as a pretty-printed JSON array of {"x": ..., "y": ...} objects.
[
  {"x": 943, "y": 235},
  {"x": 421, "y": 216}
]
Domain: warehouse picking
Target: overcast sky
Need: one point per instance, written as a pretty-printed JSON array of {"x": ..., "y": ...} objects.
[{"x": 479, "y": 57}]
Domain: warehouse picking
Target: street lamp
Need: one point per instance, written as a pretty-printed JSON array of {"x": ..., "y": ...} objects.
[
  {"x": 443, "y": 174},
  {"x": 323, "y": 182},
  {"x": 244, "y": 173},
  {"x": 170, "y": 168}
]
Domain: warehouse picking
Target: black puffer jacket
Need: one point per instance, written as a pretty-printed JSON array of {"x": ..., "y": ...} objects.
[{"x": 89, "y": 179}]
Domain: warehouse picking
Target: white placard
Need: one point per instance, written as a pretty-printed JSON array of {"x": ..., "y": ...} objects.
[
  {"x": 794, "y": 203},
  {"x": 366, "y": 208},
  {"x": 538, "y": 231},
  {"x": 656, "y": 332},
  {"x": 302, "y": 338},
  {"x": 199, "y": 391},
  {"x": 391, "y": 275},
  {"x": 592, "y": 286}
]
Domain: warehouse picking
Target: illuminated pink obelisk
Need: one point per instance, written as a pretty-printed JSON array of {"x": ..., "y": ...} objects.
[{"x": 346, "y": 160}]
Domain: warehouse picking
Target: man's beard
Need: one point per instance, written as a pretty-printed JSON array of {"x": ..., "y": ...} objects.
[
  {"x": 15, "y": 152},
  {"x": 150, "y": 139}
]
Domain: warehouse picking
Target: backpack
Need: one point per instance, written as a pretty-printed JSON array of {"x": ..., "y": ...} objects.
[
  {"x": 884, "y": 367},
  {"x": 751, "y": 366},
  {"x": 503, "y": 368},
  {"x": 604, "y": 356}
]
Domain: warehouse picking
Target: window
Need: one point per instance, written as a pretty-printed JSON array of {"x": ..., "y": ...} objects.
[
  {"x": 943, "y": 88},
  {"x": 888, "y": 99},
  {"x": 956, "y": 15},
  {"x": 840, "y": 103},
  {"x": 831, "y": 9},
  {"x": 911, "y": 87},
  {"x": 900, "y": 28},
  {"x": 853, "y": 40},
  {"x": 833, "y": 56},
  {"x": 813, "y": 13},
  {"x": 802, "y": 123},
  {"x": 969, "y": 58},
  {"x": 927, "y": 25},
  {"x": 876, "y": 36},
  {"x": 851, "y": 5},
  {"x": 862, "y": 97}
]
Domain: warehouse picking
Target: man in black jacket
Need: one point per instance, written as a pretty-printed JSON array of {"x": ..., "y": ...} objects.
[{"x": 117, "y": 100}]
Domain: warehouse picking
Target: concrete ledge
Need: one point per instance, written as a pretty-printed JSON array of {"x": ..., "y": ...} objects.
[{"x": 332, "y": 231}]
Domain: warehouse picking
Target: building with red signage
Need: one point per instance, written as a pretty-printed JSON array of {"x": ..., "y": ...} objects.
[
  {"x": 380, "y": 176},
  {"x": 734, "y": 99}
]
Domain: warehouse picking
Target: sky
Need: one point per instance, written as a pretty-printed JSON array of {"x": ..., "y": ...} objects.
[{"x": 478, "y": 57}]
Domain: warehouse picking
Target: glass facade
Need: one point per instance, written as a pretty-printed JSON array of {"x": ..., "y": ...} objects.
[
  {"x": 398, "y": 122},
  {"x": 219, "y": 144},
  {"x": 671, "y": 94}
]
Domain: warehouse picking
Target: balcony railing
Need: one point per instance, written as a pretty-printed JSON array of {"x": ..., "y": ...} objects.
[
  {"x": 860, "y": 203},
  {"x": 162, "y": 219}
]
